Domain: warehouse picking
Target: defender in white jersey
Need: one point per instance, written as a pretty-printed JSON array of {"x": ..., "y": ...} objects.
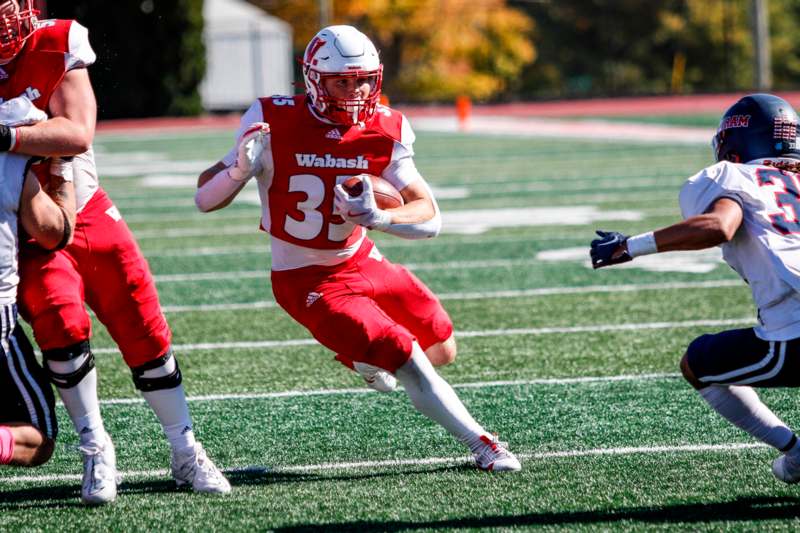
[
  {"x": 27, "y": 407},
  {"x": 749, "y": 204}
]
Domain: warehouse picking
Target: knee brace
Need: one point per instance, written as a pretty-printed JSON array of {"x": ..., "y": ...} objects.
[
  {"x": 66, "y": 367},
  {"x": 158, "y": 374}
]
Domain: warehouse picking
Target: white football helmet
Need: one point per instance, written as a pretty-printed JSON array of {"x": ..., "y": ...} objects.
[
  {"x": 17, "y": 23},
  {"x": 342, "y": 51}
]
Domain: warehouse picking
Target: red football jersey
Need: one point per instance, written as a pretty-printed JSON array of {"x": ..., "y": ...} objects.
[
  {"x": 55, "y": 48},
  {"x": 52, "y": 50},
  {"x": 310, "y": 157}
]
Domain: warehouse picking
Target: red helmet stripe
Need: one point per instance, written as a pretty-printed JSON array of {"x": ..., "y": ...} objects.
[{"x": 313, "y": 48}]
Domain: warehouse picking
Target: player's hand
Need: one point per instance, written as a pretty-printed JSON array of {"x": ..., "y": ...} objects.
[
  {"x": 609, "y": 249},
  {"x": 251, "y": 146},
  {"x": 361, "y": 209}
]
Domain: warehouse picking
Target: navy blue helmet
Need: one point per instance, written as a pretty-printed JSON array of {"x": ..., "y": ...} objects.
[{"x": 757, "y": 126}]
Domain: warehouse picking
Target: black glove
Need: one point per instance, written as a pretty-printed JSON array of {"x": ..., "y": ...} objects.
[{"x": 603, "y": 249}]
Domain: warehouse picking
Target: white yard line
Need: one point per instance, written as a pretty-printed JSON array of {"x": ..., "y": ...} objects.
[
  {"x": 212, "y": 276},
  {"x": 481, "y": 295},
  {"x": 180, "y": 233},
  {"x": 211, "y": 250},
  {"x": 242, "y": 274},
  {"x": 365, "y": 390},
  {"x": 382, "y": 245},
  {"x": 594, "y": 328},
  {"x": 689, "y": 448},
  {"x": 418, "y": 267},
  {"x": 361, "y": 465}
]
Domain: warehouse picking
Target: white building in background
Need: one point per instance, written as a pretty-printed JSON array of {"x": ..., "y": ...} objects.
[{"x": 248, "y": 54}]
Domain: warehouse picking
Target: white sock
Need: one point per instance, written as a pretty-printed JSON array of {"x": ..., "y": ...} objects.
[
  {"x": 742, "y": 407},
  {"x": 81, "y": 401},
  {"x": 435, "y": 398},
  {"x": 170, "y": 407}
]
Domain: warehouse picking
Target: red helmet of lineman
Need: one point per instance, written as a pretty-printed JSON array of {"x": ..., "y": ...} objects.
[
  {"x": 17, "y": 23},
  {"x": 342, "y": 51}
]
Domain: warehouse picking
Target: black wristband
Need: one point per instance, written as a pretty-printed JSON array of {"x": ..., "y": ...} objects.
[
  {"x": 6, "y": 138},
  {"x": 67, "y": 231}
]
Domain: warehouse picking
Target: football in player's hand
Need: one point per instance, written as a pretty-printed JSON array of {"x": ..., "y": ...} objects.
[{"x": 386, "y": 196}]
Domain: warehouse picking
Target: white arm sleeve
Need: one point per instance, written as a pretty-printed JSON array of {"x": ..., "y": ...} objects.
[
  {"x": 215, "y": 191},
  {"x": 421, "y": 230},
  {"x": 402, "y": 172}
]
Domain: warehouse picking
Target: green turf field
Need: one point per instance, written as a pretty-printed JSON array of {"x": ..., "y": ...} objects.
[
  {"x": 576, "y": 369},
  {"x": 703, "y": 120}
]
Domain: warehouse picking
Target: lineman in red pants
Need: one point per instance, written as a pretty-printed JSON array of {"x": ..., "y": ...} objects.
[{"x": 47, "y": 60}]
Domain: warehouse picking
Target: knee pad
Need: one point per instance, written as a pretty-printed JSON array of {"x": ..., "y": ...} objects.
[
  {"x": 66, "y": 367},
  {"x": 159, "y": 374}
]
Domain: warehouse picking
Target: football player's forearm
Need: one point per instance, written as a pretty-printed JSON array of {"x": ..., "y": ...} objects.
[
  {"x": 58, "y": 136},
  {"x": 716, "y": 227},
  {"x": 217, "y": 192},
  {"x": 696, "y": 233},
  {"x": 47, "y": 222},
  {"x": 421, "y": 230},
  {"x": 414, "y": 212},
  {"x": 63, "y": 195}
]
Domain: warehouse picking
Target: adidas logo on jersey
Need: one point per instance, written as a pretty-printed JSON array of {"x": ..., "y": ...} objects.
[
  {"x": 333, "y": 134},
  {"x": 312, "y": 297},
  {"x": 328, "y": 161}
]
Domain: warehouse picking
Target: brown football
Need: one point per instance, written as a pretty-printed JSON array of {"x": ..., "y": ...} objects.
[{"x": 386, "y": 196}]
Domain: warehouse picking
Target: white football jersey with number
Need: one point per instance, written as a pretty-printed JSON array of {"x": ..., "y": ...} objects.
[{"x": 766, "y": 249}]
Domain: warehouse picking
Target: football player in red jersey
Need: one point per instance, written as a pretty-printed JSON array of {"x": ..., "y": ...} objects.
[
  {"x": 47, "y": 61},
  {"x": 327, "y": 274}
]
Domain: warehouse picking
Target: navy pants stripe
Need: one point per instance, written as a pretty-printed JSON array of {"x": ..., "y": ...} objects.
[
  {"x": 25, "y": 391},
  {"x": 738, "y": 357}
]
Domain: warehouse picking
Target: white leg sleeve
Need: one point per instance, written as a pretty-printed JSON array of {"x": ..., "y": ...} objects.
[
  {"x": 172, "y": 411},
  {"x": 435, "y": 398},
  {"x": 742, "y": 407},
  {"x": 169, "y": 405},
  {"x": 81, "y": 401}
]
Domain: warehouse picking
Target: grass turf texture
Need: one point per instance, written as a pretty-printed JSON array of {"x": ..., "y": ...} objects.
[{"x": 278, "y": 439}]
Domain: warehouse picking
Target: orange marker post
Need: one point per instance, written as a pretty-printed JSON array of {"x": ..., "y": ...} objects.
[{"x": 463, "y": 111}]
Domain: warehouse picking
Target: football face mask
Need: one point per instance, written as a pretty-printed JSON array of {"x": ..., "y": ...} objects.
[
  {"x": 349, "y": 110},
  {"x": 16, "y": 25},
  {"x": 342, "y": 52}
]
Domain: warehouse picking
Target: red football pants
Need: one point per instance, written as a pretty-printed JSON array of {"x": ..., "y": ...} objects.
[
  {"x": 366, "y": 309},
  {"x": 103, "y": 267}
]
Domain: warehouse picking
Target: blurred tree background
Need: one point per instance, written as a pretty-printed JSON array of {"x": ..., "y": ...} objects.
[
  {"x": 431, "y": 49},
  {"x": 151, "y": 57},
  {"x": 629, "y": 47},
  {"x": 529, "y": 49}
]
